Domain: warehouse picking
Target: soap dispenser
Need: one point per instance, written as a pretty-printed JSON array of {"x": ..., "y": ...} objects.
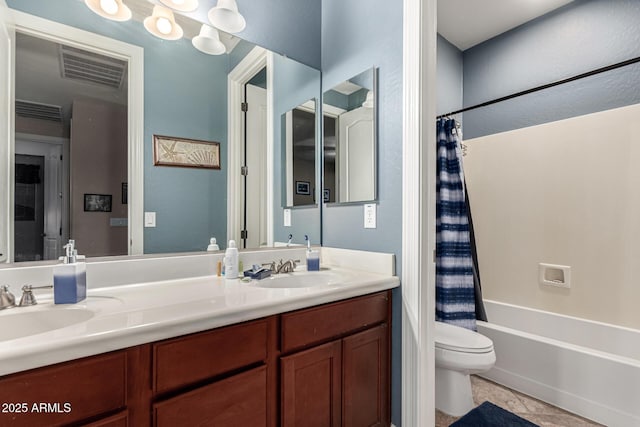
[
  {"x": 69, "y": 277},
  {"x": 313, "y": 256}
]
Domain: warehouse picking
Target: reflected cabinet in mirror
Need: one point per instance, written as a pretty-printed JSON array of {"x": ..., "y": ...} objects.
[
  {"x": 350, "y": 151},
  {"x": 299, "y": 155},
  {"x": 122, "y": 85}
]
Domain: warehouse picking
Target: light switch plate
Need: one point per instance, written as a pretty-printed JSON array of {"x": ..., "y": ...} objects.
[
  {"x": 287, "y": 217},
  {"x": 370, "y": 215},
  {"x": 149, "y": 219}
]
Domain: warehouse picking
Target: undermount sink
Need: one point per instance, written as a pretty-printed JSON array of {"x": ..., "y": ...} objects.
[
  {"x": 307, "y": 279},
  {"x": 19, "y": 324}
]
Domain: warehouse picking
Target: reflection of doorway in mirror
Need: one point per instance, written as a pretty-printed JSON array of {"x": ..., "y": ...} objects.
[
  {"x": 355, "y": 155},
  {"x": 37, "y": 233},
  {"x": 52, "y": 83},
  {"x": 29, "y": 207},
  {"x": 255, "y": 197}
]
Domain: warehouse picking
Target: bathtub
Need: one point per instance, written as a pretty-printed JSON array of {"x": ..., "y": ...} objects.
[{"x": 588, "y": 368}]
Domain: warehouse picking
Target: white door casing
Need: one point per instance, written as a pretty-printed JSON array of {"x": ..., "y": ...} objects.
[
  {"x": 253, "y": 62},
  {"x": 256, "y": 200},
  {"x": 7, "y": 61},
  {"x": 418, "y": 212}
]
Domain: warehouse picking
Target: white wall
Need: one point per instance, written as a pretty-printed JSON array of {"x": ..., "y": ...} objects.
[{"x": 562, "y": 193}]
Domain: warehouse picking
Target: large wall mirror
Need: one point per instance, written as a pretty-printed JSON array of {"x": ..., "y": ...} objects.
[
  {"x": 72, "y": 153},
  {"x": 349, "y": 146}
]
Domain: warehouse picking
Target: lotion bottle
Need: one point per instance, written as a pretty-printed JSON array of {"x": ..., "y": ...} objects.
[
  {"x": 69, "y": 277},
  {"x": 213, "y": 245},
  {"x": 231, "y": 261}
]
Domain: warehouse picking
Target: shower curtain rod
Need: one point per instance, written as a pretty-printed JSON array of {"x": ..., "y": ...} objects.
[{"x": 546, "y": 86}]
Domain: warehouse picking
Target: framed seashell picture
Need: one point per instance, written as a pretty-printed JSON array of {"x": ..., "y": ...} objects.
[{"x": 184, "y": 152}]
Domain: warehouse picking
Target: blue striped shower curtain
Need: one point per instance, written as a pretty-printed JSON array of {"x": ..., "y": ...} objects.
[{"x": 455, "y": 294}]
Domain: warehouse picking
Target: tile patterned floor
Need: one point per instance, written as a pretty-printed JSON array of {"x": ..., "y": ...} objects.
[{"x": 531, "y": 409}]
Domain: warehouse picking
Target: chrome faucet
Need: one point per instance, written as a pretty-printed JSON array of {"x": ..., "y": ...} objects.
[
  {"x": 7, "y": 300},
  {"x": 27, "y": 295},
  {"x": 287, "y": 266}
]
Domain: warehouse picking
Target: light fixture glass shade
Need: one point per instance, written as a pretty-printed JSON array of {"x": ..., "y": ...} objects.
[
  {"x": 208, "y": 41},
  {"x": 163, "y": 24},
  {"x": 181, "y": 5},
  {"x": 114, "y": 10},
  {"x": 225, "y": 16}
]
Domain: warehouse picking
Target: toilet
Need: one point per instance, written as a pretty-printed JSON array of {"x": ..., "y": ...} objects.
[{"x": 459, "y": 353}]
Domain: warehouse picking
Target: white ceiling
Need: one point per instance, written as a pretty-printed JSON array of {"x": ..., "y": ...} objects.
[{"x": 466, "y": 23}]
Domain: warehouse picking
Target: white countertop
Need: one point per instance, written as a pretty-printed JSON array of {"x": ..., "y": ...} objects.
[{"x": 129, "y": 315}]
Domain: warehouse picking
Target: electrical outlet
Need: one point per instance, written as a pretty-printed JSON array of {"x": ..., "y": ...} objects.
[
  {"x": 370, "y": 215},
  {"x": 287, "y": 217}
]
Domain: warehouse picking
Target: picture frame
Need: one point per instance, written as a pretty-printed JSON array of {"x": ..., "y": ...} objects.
[
  {"x": 326, "y": 195},
  {"x": 303, "y": 188},
  {"x": 97, "y": 202},
  {"x": 185, "y": 152}
]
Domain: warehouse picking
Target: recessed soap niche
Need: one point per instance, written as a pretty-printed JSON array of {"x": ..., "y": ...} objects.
[{"x": 554, "y": 275}]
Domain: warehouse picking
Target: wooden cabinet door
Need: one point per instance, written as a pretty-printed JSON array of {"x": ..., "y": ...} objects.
[
  {"x": 312, "y": 387},
  {"x": 365, "y": 376}
]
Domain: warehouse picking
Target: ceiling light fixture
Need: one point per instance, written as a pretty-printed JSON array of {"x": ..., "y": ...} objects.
[
  {"x": 163, "y": 24},
  {"x": 225, "y": 16},
  {"x": 181, "y": 5},
  {"x": 208, "y": 41},
  {"x": 114, "y": 10}
]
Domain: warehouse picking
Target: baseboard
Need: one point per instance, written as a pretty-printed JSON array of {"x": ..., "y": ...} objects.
[{"x": 562, "y": 399}]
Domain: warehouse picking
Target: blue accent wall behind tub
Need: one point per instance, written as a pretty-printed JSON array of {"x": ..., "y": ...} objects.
[{"x": 574, "y": 39}]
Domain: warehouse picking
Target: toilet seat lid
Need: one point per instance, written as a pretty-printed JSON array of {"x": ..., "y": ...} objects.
[{"x": 456, "y": 338}]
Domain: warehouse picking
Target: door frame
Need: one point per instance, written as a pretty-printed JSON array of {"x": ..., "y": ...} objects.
[
  {"x": 255, "y": 61},
  {"x": 56, "y": 177},
  {"x": 134, "y": 56},
  {"x": 418, "y": 211}
]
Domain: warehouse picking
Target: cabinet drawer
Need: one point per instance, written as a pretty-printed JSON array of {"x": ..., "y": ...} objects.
[
  {"x": 240, "y": 400},
  {"x": 314, "y": 325},
  {"x": 66, "y": 393},
  {"x": 187, "y": 360},
  {"x": 118, "y": 420}
]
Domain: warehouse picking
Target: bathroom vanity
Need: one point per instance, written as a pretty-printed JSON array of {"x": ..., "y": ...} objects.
[{"x": 273, "y": 353}]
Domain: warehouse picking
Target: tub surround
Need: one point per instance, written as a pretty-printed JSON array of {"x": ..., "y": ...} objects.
[
  {"x": 589, "y": 368},
  {"x": 141, "y": 300}
]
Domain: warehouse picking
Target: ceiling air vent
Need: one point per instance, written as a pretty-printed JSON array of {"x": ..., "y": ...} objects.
[
  {"x": 35, "y": 110},
  {"x": 92, "y": 67}
]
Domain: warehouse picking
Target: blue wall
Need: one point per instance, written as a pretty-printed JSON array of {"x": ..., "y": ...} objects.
[
  {"x": 357, "y": 35},
  {"x": 293, "y": 85},
  {"x": 582, "y": 36},
  {"x": 179, "y": 101},
  {"x": 449, "y": 77}
]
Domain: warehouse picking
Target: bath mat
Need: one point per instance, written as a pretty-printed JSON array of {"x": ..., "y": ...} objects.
[{"x": 490, "y": 415}]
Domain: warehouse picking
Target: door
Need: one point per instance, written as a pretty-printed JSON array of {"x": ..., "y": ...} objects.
[
  {"x": 29, "y": 208},
  {"x": 356, "y": 155},
  {"x": 255, "y": 206},
  {"x": 52, "y": 191},
  {"x": 365, "y": 375},
  {"x": 6, "y": 125},
  {"x": 312, "y": 387}
]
